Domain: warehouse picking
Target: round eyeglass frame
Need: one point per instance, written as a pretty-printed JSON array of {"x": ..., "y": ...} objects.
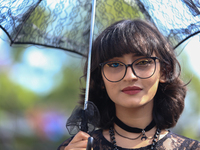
[{"x": 129, "y": 65}]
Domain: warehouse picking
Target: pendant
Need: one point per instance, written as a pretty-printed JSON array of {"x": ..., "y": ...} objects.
[{"x": 144, "y": 137}]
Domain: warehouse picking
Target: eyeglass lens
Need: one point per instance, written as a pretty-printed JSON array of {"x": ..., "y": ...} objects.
[{"x": 143, "y": 68}]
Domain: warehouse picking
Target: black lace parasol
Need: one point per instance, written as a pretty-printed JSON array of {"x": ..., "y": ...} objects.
[{"x": 65, "y": 24}]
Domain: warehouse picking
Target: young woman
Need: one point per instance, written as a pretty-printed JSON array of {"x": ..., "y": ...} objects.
[{"x": 136, "y": 87}]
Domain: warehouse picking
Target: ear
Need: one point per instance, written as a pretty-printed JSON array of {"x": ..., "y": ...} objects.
[{"x": 162, "y": 78}]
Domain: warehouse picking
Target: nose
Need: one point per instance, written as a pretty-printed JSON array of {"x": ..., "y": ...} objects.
[{"x": 130, "y": 75}]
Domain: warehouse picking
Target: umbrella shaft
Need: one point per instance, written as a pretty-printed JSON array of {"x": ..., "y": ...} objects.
[{"x": 89, "y": 53}]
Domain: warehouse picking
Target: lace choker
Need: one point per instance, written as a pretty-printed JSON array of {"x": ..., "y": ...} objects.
[{"x": 127, "y": 128}]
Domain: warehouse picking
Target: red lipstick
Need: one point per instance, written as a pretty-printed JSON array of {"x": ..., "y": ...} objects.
[{"x": 131, "y": 90}]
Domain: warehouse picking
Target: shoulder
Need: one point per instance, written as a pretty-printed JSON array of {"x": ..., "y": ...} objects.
[{"x": 175, "y": 141}]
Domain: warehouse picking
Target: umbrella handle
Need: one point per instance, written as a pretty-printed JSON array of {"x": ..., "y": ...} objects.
[
  {"x": 84, "y": 125},
  {"x": 90, "y": 143}
]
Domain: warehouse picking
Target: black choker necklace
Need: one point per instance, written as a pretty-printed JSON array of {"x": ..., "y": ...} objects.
[
  {"x": 153, "y": 145},
  {"x": 134, "y": 130}
]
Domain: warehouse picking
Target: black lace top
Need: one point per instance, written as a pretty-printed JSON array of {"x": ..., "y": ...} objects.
[{"x": 171, "y": 141}]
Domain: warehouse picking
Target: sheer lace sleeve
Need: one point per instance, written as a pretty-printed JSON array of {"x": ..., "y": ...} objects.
[
  {"x": 175, "y": 142},
  {"x": 64, "y": 144}
]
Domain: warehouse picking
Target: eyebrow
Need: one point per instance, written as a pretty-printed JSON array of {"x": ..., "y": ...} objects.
[{"x": 138, "y": 54}]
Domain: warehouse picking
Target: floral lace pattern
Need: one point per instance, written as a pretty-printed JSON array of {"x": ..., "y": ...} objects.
[
  {"x": 171, "y": 141},
  {"x": 66, "y": 24}
]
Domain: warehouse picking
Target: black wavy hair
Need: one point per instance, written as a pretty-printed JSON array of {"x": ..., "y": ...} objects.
[{"x": 141, "y": 37}]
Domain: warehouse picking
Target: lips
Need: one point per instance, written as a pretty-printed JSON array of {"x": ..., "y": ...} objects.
[{"x": 131, "y": 90}]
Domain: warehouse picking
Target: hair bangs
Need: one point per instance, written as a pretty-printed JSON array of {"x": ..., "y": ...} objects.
[{"x": 122, "y": 40}]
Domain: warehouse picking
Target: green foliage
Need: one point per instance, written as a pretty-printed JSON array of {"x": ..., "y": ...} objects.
[
  {"x": 13, "y": 96},
  {"x": 18, "y": 103},
  {"x": 192, "y": 101},
  {"x": 66, "y": 94},
  {"x": 193, "y": 81},
  {"x": 17, "y": 52}
]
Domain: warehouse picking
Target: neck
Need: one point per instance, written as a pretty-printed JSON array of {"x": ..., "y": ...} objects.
[
  {"x": 127, "y": 128},
  {"x": 137, "y": 117}
]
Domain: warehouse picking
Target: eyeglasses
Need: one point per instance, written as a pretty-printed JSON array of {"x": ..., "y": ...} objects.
[{"x": 115, "y": 71}]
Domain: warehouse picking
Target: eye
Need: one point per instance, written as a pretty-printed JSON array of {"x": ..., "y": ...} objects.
[
  {"x": 114, "y": 64},
  {"x": 144, "y": 62}
]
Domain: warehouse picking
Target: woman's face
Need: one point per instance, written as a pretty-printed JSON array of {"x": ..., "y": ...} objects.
[{"x": 131, "y": 91}]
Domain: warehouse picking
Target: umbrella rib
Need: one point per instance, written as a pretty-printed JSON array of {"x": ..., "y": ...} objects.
[
  {"x": 13, "y": 41},
  {"x": 186, "y": 39}
]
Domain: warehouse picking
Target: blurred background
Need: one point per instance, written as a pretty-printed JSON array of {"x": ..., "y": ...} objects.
[{"x": 39, "y": 88}]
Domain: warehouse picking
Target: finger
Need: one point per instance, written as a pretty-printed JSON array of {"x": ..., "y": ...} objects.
[
  {"x": 81, "y": 145},
  {"x": 80, "y": 136}
]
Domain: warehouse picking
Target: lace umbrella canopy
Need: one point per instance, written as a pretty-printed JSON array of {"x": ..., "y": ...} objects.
[{"x": 65, "y": 24}]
